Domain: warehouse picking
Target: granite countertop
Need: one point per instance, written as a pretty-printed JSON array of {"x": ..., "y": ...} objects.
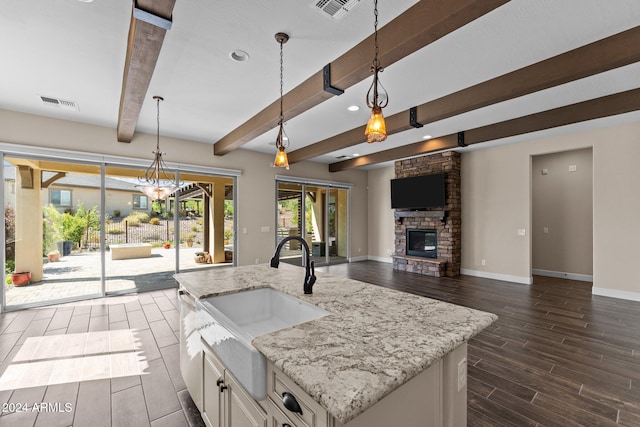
[{"x": 376, "y": 339}]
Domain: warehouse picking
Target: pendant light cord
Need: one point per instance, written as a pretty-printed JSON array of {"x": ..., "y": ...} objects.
[
  {"x": 373, "y": 102},
  {"x": 376, "y": 63},
  {"x": 281, "y": 82},
  {"x": 158, "y": 124}
]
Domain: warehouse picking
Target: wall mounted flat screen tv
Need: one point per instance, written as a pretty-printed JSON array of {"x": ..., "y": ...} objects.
[{"x": 419, "y": 192}]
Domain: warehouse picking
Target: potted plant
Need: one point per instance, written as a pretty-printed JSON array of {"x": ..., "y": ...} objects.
[
  {"x": 189, "y": 240},
  {"x": 167, "y": 245},
  {"x": 21, "y": 279},
  {"x": 53, "y": 256}
]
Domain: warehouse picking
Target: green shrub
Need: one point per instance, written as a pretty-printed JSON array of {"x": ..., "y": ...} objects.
[
  {"x": 115, "y": 230},
  {"x": 154, "y": 221},
  {"x": 135, "y": 218}
]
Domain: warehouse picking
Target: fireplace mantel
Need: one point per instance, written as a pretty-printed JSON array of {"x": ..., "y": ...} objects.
[{"x": 420, "y": 214}]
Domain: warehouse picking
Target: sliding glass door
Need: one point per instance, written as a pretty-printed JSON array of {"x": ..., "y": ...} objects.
[
  {"x": 77, "y": 230},
  {"x": 318, "y": 214},
  {"x": 50, "y": 207}
]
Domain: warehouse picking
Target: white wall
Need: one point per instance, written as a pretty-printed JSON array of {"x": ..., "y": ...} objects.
[
  {"x": 256, "y": 185},
  {"x": 496, "y": 202},
  {"x": 381, "y": 220}
]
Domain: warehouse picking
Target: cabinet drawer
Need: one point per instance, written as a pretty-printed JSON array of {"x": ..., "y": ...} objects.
[
  {"x": 313, "y": 415},
  {"x": 276, "y": 417}
]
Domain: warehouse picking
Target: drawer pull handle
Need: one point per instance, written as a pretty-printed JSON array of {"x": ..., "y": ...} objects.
[
  {"x": 286, "y": 425},
  {"x": 290, "y": 402}
]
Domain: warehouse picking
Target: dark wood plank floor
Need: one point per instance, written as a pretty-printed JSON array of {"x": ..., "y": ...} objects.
[{"x": 557, "y": 356}]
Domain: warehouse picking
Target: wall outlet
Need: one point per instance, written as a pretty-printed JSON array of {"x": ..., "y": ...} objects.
[
  {"x": 462, "y": 374},
  {"x": 257, "y": 260},
  {"x": 545, "y": 230},
  {"x": 244, "y": 230},
  {"x": 389, "y": 251},
  {"x": 573, "y": 168},
  {"x": 521, "y": 232},
  {"x": 266, "y": 229},
  {"x": 545, "y": 171},
  {"x": 483, "y": 262}
]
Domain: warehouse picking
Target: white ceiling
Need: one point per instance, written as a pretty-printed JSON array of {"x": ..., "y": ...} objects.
[{"x": 75, "y": 51}]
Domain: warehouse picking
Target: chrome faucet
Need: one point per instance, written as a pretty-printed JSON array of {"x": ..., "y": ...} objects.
[{"x": 309, "y": 276}]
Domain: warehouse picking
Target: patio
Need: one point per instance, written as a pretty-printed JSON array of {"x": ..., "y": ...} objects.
[{"x": 78, "y": 275}]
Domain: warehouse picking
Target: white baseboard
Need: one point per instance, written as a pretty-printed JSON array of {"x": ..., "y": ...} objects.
[
  {"x": 614, "y": 293},
  {"x": 497, "y": 276},
  {"x": 358, "y": 258},
  {"x": 386, "y": 259},
  {"x": 563, "y": 275}
]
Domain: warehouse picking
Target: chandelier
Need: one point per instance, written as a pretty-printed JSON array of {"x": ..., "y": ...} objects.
[
  {"x": 376, "y": 130},
  {"x": 282, "y": 141},
  {"x": 157, "y": 183}
]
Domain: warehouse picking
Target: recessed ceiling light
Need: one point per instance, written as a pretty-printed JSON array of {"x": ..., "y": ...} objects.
[
  {"x": 239, "y": 55},
  {"x": 353, "y": 108},
  {"x": 427, "y": 137},
  {"x": 85, "y": 1},
  {"x": 356, "y": 155}
]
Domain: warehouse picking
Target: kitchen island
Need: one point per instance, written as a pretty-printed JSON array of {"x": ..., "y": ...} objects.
[{"x": 373, "y": 346}]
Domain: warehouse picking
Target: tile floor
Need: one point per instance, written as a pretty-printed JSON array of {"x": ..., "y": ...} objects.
[{"x": 116, "y": 364}]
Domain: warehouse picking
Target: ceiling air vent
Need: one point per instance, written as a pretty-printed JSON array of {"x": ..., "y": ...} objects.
[
  {"x": 342, "y": 157},
  {"x": 335, "y": 9},
  {"x": 60, "y": 103}
]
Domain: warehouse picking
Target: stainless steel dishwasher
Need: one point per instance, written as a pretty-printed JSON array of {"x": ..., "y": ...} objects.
[{"x": 191, "y": 361}]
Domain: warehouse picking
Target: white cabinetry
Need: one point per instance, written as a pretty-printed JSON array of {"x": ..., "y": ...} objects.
[
  {"x": 226, "y": 403},
  {"x": 190, "y": 348},
  {"x": 435, "y": 397}
]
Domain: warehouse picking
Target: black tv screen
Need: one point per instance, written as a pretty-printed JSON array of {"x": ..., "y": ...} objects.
[{"x": 419, "y": 192}]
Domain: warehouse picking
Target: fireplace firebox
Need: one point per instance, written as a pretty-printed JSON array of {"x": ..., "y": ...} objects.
[{"x": 422, "y": 243}]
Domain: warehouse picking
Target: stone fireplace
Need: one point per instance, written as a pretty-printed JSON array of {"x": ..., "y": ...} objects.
[{"x": 444, "y": 255}]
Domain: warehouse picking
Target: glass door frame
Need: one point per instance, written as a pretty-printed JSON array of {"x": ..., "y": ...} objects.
[
  {"x": 102, "y": 162},
  {"x": 327, "y": 186}
]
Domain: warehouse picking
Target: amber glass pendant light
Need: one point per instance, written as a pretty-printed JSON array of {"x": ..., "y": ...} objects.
[
  {"x": 282, "y": 141},
  {"x": 377, "y": 97}
]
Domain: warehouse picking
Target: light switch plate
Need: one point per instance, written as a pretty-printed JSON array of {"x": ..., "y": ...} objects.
[{"x": 521, "y": 232}]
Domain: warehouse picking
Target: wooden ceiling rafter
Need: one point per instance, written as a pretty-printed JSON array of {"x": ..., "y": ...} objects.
[
  {"x": 603, "y": 55},
  {"x": 150, "y": 20},
  {"x": 610, "y": 105},
  {"x": 420, "y": 25}
]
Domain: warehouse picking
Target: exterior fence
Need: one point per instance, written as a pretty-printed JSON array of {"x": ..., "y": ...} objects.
[{"x": 157, "y": 233}]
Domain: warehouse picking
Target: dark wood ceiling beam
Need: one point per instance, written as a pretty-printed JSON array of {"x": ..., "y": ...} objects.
[
  {"x": 597, "y": 57},
  {"x": 611, "y": 105},
  {"x": 420, "y": 25},
  {"x": 143, "y": 48}
]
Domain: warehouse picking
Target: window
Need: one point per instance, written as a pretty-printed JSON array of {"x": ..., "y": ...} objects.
[
  {"x": 139, "y": 201},
  {"x": 61, "y": 197}
]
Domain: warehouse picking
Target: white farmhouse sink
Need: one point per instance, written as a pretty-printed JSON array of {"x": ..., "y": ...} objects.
[{"x": 229, "y": 323}]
